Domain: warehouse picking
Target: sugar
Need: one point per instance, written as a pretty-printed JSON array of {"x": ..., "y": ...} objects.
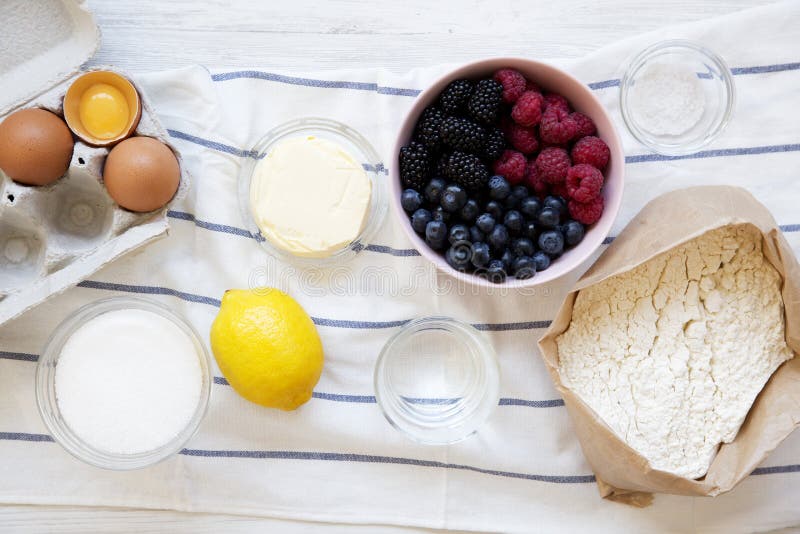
[
  {"x": 667, "y": 99},
  {"x": 128, "y": 381}
]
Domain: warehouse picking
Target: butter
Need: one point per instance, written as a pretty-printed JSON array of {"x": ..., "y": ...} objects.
[{"x": 309, "y": 196}]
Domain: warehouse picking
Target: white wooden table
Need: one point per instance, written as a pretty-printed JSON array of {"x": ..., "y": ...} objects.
[{"x": 309, "y": 35}]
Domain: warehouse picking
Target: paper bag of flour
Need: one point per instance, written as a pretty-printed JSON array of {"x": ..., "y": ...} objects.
[{"x": 669, "y": 221}]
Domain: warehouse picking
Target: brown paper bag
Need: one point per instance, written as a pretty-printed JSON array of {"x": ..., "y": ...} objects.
[{"x": 668, "y": 221}]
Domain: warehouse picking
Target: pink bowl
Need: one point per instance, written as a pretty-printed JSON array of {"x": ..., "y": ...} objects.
[{"x": 583, "y": 100}]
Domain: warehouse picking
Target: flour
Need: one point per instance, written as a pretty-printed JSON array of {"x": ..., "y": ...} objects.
[
  {"x": 667, "y": 99},
  {"x": 672, "y": 354}
]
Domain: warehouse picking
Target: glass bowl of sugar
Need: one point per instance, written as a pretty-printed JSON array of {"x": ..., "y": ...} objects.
[
  {"x": 123, "y": 383},
  {"x": 676, "y": 97}
]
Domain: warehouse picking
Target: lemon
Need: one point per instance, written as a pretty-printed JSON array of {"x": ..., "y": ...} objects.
[{"x": 267, "y": 347}]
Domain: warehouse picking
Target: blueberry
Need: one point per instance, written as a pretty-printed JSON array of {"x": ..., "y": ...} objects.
[
  {"x": 541, "y": 260},
  {"x": 485, "y": 223},
  {"x": 524, "y": 267},
  {"x": 513, "y": 221},
  {"x": 498, "y": 237},
  {"x": 496, "y": 272},
  {"x": 458, "y": 232},
  {"x": 530, "y": 207},
  {"x": 551, "y": 243},
  {"x": 549, "y": 217},
  {"x": 439, "y": 214},
  {"x": 470, "y": 210},
  {"x": 436, "y": 234},
  {"x": 420, "y": 219},
  {"x": 508, "y": 259},
  {"x": 458, "y": 256},
  {"x": 499, "y": 187},
  {"x": 573, "y": 233},
  {"x": 480, "y": 254},
  {"x": 411, "y": 200},
  {"x": 523, "y": 247},
  {"x": 530, "y": 230},
  {"x": 453, "y": 198},
  {"x": 495, "y": 209},
  {"x": 433, "y": 191},
  {"x": 552, "y": 201},
  {"x": 520, "y": 192},
  {"x": 511, "y": 202},
  {"x": 475, "y": 234}
]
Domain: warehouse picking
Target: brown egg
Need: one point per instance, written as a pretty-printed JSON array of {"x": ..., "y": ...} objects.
[
  {"x": 141, "y": 174},
  {"x": 35, "y": 146}
]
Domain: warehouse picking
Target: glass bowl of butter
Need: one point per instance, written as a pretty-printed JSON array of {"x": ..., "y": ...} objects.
[{"x": 310, "y": 191}]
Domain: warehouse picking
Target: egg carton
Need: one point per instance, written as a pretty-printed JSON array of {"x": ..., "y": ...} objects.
[{"x": 54, "y": 236}]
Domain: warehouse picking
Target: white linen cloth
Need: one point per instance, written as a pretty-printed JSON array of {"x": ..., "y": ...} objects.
[{"x": 336, "y": 459}]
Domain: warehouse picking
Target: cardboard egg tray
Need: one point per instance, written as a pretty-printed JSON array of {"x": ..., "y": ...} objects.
[{"x": 54, "y": 236}]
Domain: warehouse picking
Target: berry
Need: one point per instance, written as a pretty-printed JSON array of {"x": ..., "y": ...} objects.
[
  {"x": 485, "y": 223},
  {"x": 507, "y": 258},
  {"x": 552, "y": 164},
  {"x": 556, "y": 100},
  {"x": 511, "y": 165},
  {"x": 467, "y": 170},
  {"x": 556, "y": 202},
  {"x": 549, "y": 217},
  {"x": 513, "y": 221},
  {"x": 463, "y": 134},
  {"x": 524, "y": 267},
  {"x": 496, "y": 272},
  {"x": 470, "y": 210},
  {"x": 513, "y": 83},
  {"x": 532, "y": 86},
  {"x": 557, "y": 127},
  {"x": 551, "y": 242},
  {"x": 475, "y": 234},
  {"x": 533, "y": 178},
  {"x": 522, "y": 138},
  {"x": 484, "y": 104},
  {"x": 584, "y": 182},
  {"x": 495, "y": 144},
  {"x": 591, "y": 150},
  {"x": 585, "y": 125},
  {"x": 528, "y": 109},
  {"x": 411, "y": 200},
  {"x": 480, "y": 254},
  {"x": 588, "y": 213},
  {"x": 495, "y": 209},
  {"x": 428, "y": 125},
  {"x": 458, "y": 232},
  {"x": 458, "y": 256},
  {"x": 420, "y": 220},
  {"x": 559, "y": 190},
  {"x": 439, "y": 168},
  {"x": 433, "y": 191},
  {"x": 523, "y": 246},
  {"x": 541, "y": 260},
  {"x": 530, "y": 230},
  {"x": 520, "y": 192},
  {"x": 455, "y": 96},
  {"x": 573, "y": 233},
  {"x": 530, "y": 207},
  {"x": 414, "y": 164},
  {"x": 439, "y": 214},
  {"x": 499, "y": 187},
  {"x": 498, "y": 237},
  {"x": 436, "y": 234},
  {"x": 453, "y": 198}
]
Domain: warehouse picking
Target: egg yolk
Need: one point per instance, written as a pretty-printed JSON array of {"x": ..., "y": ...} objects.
[{"x": 104, "y": 111}]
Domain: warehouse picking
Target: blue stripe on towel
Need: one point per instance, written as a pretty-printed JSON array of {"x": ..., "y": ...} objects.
[
  {"x": 21, "y": 356},
  {"x": 717, "y": 153}
]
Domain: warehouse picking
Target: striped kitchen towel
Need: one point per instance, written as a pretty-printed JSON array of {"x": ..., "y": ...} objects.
[{"x": 336, "y": 458}]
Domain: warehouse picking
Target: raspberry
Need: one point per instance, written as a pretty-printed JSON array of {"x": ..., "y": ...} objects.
[
  {"x": 585, "y": 124},
  {"x": 553, "y": 164},
  {"x": 557, "y": 128},
  {"x": 528, "y": 109},
  {"x": 532, "y": 86},
  {"x": 559, "y": 190},
  {"x": 533, "y": 178},
  {"x": 591, "y": 150},
  {"x": 584, "y": 182},
  {"x": 522, "y": 138},
  {"x": 513, "y": 83},
  {"x": 511, "y": 165},
  {"x": 586, "y": 213},
  {"x": 556, "y": 100}
]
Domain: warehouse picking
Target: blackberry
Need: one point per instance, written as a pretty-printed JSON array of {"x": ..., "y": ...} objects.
[
  {"x": 428, "y": 126},
  {"x": 484, "y": 104},
  {"x": 495, "y": 144},
  {"x": 455, "y": 96},
  {"x": 467, "y": 170},
  {"x": 440, "y": 167},
  {"x": 462, "y": 134},
  {"x": 415, "y": 164}
]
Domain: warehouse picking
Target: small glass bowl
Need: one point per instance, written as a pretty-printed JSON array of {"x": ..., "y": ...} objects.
[
  {"x": 356, "y": 145},
  {"x": 437, "y": 380},
  {"x": 46, "y": 387},
  {"x": 715, "y": 82}
]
